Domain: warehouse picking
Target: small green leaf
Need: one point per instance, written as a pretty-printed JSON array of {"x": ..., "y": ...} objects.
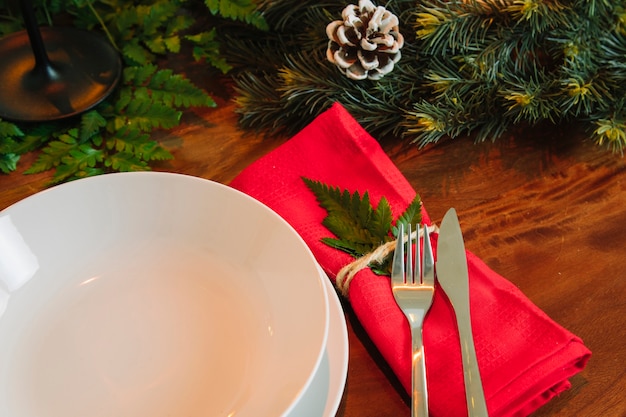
[
  {"x": 136, "y": 53},
  {"x": 139, "y": 74},
  {"x": 412, "y": 214},
  {"x": 172, "y": 43},
  {"x": 83, "y": 156},
  {"x": 126, "y": 162},
  {"x": 381, "y": 219},
  {"x": 8, "y": 162},
  {"x": 91, "y": 123},
  {"x": 52, "y": 155},
  {"x": 9, "y": 129}
]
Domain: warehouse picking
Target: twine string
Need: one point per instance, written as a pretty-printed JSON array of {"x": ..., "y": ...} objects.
[{"x": 348, "y": 272}]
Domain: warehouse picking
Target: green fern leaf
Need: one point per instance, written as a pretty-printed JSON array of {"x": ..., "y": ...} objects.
[
  {"x": 174, "y": 89},
  {"x": 172, "y": 44},
  {"x": 350, "y": 218},
  {"x": 143, "y": 115},
  {"x": 208, "y": 49},
  {"x": 83, "y": 156},
  {"x": 134, "y": 52},
  {"x": 352, "y": 248},
  {"x": 8, "y": 162},
  {"x": 140, "y": 74},
  {"x": 34, "y": 138},
  {"x": 411, "y": 215},
  {"x": 7, "y": 144},
  {"x": 52, "y": 155},
  {"x": 126, "y": 139},
  {"x": 125, "y": 19},
  {"x": 162, "y": 45},
  {"x": 381, "y": 220},
  {"x": 359, "y": 229},
  {"x": 9, "y": 129},
  {"x": 203, "y": 38},
  {"x": 153, "y": 151},
  {"x": 125, "y": 162},
  {"x": 65, "y": 172},
  {"x": 164, "y": 87},
  {"x": 362, "y": 208},
  {"x": 243, "y": 10},
  {"x": 337, "y": 203},
  {"x": 156, "y": 45},
  {"x": 11, "y": 146},
  {"x": 213, "y": 5},
  {"x": 91, "y": 123},
  {"x": 178, "y": 24},
  {"x": 137, "y": 144},
  {"x": 155, "y": 15}
]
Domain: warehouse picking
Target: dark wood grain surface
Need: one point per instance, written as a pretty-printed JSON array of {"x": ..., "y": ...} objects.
[{"x": 544, "y": 207}]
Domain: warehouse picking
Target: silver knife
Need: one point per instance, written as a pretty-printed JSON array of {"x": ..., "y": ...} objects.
[{"x": 451, "y": 271}]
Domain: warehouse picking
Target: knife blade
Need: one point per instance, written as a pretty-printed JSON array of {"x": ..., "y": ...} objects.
[{"x": 452, "y": 274}]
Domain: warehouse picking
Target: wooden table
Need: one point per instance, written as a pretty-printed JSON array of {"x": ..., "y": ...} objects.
[{"x": 544, "y": 208}]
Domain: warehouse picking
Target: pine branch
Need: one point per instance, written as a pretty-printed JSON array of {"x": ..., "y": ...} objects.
[{"x": 468, "y": 68}]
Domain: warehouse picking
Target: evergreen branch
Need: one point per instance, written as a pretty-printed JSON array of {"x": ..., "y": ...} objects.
[{"x": 467, "y": 68}]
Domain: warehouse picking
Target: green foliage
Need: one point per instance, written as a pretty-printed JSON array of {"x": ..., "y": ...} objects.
[
  {"x": 471, "y": 67},
  {"x": 243, "y": 10},
  {"x": 116, "y": 135},
  {"x": 359, "y": 228}
]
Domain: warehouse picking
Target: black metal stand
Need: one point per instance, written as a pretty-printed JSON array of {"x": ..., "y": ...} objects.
[{"x": 53, "y": 73}]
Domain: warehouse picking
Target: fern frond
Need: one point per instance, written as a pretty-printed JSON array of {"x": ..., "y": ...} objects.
[
  {"x": 125, "y": 162},
  {"x": 90, "y": 124},
  {"x": 53, "y": 153},
  {"x": 411, "y": 215},
  {"x": 242, "y": 10},
  {"x": 8, "y": 162}
]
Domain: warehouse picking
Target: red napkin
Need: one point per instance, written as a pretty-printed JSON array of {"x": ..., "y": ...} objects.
[{"x": 525, "y": 358}]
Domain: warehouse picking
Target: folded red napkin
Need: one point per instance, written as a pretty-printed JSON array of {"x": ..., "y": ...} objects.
[{"x": 525, "y": 358}]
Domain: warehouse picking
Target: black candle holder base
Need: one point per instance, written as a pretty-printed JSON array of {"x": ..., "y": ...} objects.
[{"x": 83, "y": 69}]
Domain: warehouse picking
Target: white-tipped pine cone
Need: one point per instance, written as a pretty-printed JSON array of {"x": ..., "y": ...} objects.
[{"x": 366, "y": 43}]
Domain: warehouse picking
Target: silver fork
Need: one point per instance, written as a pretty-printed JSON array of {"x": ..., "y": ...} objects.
[{"x": 413, "y": 286}]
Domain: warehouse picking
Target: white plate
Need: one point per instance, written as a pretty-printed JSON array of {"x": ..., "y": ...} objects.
[
  {"x": 153, "y": 294},
  {"x": 326, "y": 391}
]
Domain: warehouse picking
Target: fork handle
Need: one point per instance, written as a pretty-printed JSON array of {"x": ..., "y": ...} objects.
[{"x": 419, "y": 396}]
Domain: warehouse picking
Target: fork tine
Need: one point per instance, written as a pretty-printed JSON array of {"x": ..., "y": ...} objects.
[
  {"x": 397, "y": 268},
  {"x": 418, "y": 259},
  {"x": 410, "y": 273},
  {"x": 428, "y": 263}
]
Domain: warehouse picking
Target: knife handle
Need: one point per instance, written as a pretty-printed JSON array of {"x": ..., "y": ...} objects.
[{"x": 474, "y": 394}]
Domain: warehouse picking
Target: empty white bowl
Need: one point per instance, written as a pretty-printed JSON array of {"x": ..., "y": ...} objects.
[{"x": 154, "y": 294}]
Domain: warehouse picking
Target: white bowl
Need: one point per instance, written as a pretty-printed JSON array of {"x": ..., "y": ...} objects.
[
  {"x": 323, "y": 397},
  {"x": 154, "y": 294}
]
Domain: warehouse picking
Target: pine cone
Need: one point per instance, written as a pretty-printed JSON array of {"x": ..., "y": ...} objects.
[{"x": 366, "y": 43}]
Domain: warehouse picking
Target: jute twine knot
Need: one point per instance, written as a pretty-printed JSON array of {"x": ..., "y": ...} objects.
[{"x": 347, "y": 273}]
